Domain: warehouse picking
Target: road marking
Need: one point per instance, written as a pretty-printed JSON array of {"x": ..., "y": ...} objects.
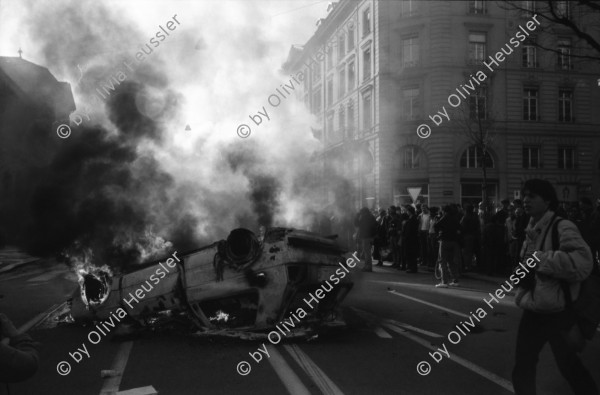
[
  {"x": 149, "y": 390},
  {"x": 39, "y": 318},
  {"x": 391, "y": 323},
  {"x": 47, "y": 276},
  {"x": 291, "y": 381},
  {"x": 111, "y": 384},
  {"x": 458, "y": 313},
  {"x": 387, "y": 322},
  {"x": 382, "y": 333},
  {"x": 502, "y": 382},
  {"x": 325, "y": 384}
]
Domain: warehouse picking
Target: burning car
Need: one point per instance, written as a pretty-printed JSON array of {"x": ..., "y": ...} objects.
[{"x": 242, "y": 284}]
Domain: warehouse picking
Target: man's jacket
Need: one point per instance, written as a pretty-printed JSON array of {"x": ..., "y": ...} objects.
[{"x": 572, "y": 262}]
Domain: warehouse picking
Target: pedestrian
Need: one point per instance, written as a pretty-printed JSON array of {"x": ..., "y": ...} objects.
[
  {"x": 18, "y": 356},
  {"x": 366, "y": 231},
  {"x": 424, "y": 221},
  {"x": 494, "y": 248},
  {"x": 469, "y": 227},
  {"x": 434, "y": 247},
  {"x": 448, "y": 232},
  {"x": 410, "y": 240},
  {"x": 380, "y": 239},
  {"x": 393, "y": 232},
  {"x": 546, "y": 318}
]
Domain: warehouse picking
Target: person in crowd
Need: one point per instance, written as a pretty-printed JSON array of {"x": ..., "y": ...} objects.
[
  {"x": 546, "y": 318},
  {"x": 393, "y": 233},
  {"x": 403, "y": 219},
  {"x": 448, "y": 232},
  {"x": 18, "y": 355},
  {"x": 503, "y": 206},
  {"x": 521, "y": 221},
  {"x": 380, "y": 240},
  {"x": 469, "y": 227},
  {"x": 410, "y": 240},
  {"x": 424, "y": 220},
  {"x": 510, "y": 237},
  {"x": 595, "y": 232},
  {"x": 493, "y": 244},
  {"x": 432, "y": 239},
  {"x": 366, "y": 231}
]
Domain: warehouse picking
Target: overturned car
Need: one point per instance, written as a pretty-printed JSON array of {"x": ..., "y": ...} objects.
[{"x": 242, "y": 284}]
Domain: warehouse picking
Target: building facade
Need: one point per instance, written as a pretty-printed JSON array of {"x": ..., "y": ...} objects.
[
  {"x": 376, "y": 70},
  {"x": 32, "y": 104}
]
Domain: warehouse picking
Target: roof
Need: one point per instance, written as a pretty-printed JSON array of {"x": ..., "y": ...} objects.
[{"x": 36, "y": 84}]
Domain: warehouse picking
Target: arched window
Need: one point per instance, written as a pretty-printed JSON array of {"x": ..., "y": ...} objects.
[{"x": 473, "y": 158}]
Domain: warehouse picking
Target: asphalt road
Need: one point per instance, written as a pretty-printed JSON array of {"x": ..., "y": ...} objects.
[{"x": 395, "y": 320}]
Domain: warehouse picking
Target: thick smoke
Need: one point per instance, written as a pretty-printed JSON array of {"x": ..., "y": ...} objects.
[{"x": 133, "y": 181}]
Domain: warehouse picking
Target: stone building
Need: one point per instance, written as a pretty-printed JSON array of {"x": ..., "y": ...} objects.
[
  {"x": 376, "y": 70},
  {"x": 32, "y": 104}
]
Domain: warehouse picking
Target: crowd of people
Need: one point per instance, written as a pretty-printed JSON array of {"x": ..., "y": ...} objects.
[
  {"x": 462, "y": 238},
  {"x": 562, "y": 238}
]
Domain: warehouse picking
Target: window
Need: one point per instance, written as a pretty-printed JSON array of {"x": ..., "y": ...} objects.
[
  {"x": 528, "y": 8},
  {"x": 410, "y": 52},
  {"x": 367, "y": 64},
  {"x": 409, "y": 7},
  {"x": 477, "y": 7},
  {"x": 566, "y": 157},
  {"x": 316, "y": 69},
  {"x": 565, "y": 105},
  {"x": 351, "y": 36},
  {"x": 561, "y": 8},
  {"x": 316, "y": 101},
  {"x": 366, "y": 21},
  {"x": 342, "y": 121},
  {"x": 477, "y": 47},
  {"x": 473, "y": 158},
  {"x": 342, "y": 81},
  {"x": 341, "y": 47},
  {"x": 329, "y": 55},
  {"x": 411, "y": 158},
  {"x": 329, "y": 91},
  {"x": 477, "y": 104},
  {"x": 411, "y": 103},
  {"x": 330, "y": 126},
  {"x": 531, "y": 157},
  {"x": 351, "y": 75},
  {"x": 529, "y": 54},
  {"x": 350, "y": 116},
  {"x": 564, "y": 53},
  {"x": 367, "y": 111},
  {"x": 530, "y": 104},
  {"x": 471, "y": 192}
]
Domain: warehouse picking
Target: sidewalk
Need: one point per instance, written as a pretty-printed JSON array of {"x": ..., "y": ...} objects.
[{"x": 12, "y": 257}]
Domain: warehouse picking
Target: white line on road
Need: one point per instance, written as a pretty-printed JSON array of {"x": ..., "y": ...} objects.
[
  {"x": 382, "y": 333},
  {"x": 401, "y": 325},
  {"x": 111, "y": 384},
  {"x": 387, "y": 322},
  {"x": 458, "y": 313},
  {"x": 291, "y": 381},
  {"x": 502, "y": 382},
  {"x": 39, "y": 318},
  {"x": 48, "y": 276},
  {"x": 325, "y": 384}
]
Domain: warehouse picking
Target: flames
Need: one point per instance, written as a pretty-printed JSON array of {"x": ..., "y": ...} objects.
[{"x": 94, "y": 282}]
